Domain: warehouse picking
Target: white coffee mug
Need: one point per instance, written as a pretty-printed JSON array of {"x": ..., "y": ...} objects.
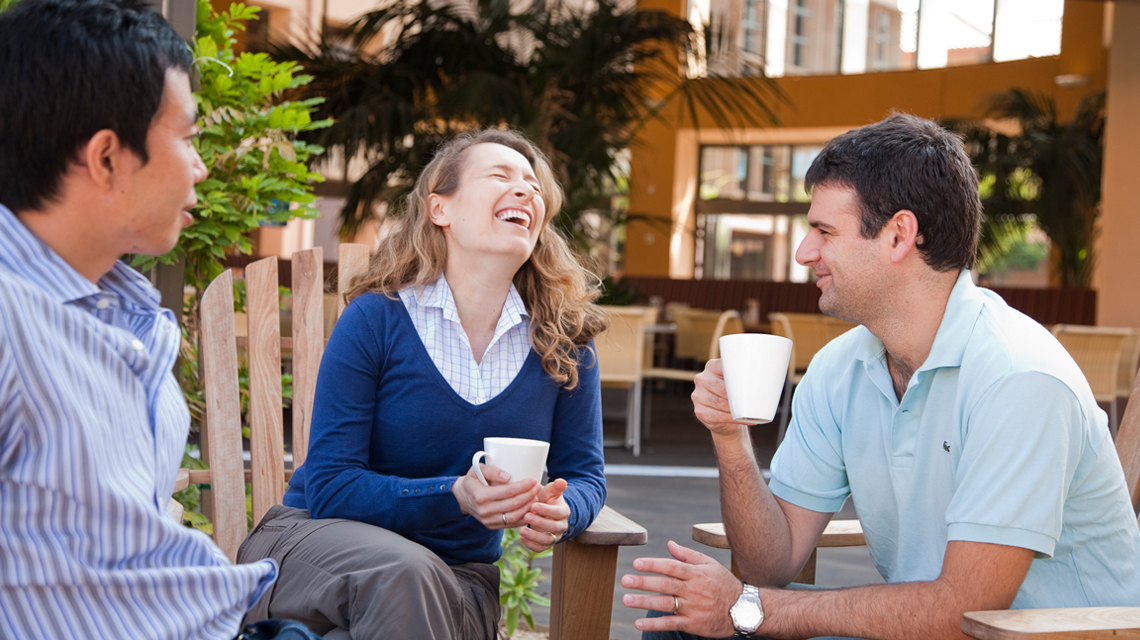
[
  {"x": 755, "y": 367},
  {"x": 520, "y": 457}
]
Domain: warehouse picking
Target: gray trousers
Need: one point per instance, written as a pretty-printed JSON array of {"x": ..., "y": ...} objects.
[{"x": 371, "y": 582}]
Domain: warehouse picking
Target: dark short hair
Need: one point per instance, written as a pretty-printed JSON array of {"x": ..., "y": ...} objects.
[
  {"x": 69, "y": 69},
  {"x": 907, "y": 162}
]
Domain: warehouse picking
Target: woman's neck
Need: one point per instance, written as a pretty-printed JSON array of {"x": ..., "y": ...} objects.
[{"x": 479, "y": 294}]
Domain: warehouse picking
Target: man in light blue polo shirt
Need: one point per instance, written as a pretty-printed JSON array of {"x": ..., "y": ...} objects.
[{"x": 982, "y": 467}]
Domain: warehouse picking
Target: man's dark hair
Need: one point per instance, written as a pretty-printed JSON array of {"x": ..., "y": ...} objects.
[
  {"x": 68, "y": 69},
  {"x": 906, "y": 162}
]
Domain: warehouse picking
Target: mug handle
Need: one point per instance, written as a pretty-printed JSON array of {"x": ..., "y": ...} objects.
[{"x": 475, "y": 465}]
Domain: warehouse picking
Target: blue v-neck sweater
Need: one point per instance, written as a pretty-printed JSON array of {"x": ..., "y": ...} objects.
[{"x": 389, "y": 436}]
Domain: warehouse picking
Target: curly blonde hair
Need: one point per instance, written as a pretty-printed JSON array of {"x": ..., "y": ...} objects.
[{"x": 557, "y": 290}]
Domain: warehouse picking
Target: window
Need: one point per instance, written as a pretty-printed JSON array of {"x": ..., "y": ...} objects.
[
  {"x": 752, "y": 211},
  {"x": 805, "y": 37}
]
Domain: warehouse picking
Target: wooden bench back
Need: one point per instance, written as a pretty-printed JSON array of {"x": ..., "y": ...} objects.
[{"x": 222, "y": 438}]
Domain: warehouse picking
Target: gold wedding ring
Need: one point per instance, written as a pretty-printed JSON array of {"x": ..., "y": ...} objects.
[
  {"x": 676, "y": 605},
  {"x": 553, "y": 538}
]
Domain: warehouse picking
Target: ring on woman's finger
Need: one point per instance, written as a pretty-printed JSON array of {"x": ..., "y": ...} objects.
[
  {"x": 553, "y": 538},
  {"x": 504, "y": 519},
  {"x": 676, "y": 605}
]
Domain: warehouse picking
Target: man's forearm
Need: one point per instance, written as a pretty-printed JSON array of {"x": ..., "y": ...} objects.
[
  {"x": 902, "y": 611},
  {"x": 755, "y": 523},
  {"x": 975, "y": 576}
]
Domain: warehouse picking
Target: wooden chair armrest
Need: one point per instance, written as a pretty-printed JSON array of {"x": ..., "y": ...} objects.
[
  {"x": 839, "y": 533},
  {"x": 612, "y": 528},
  {"x": 1055, "y": 624},
  {"x": 582, "y": 580},
  {"x": 182, "y": 480},
  {"x": 683, "y": 375}
]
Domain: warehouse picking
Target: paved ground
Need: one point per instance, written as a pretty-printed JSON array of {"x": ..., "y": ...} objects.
[{"x": 667, "y": 503}]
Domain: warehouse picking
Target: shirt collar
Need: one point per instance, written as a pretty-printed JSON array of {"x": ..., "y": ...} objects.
[
  {"x": 24, "y": 254},
  {"x": 962, "y": 309},
  {"x": 438, "y": 295}
]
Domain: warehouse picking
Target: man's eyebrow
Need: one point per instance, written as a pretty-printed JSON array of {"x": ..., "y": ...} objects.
[{"x": 816, "y": 224}]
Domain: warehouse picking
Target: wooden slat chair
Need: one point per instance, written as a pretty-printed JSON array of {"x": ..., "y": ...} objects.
[
  {"x": 1024, "y": 624},
  {"x": 621, "y": 357},
  {"x": 809, "y": 332},
  {"x": 1099, "y": 352},
  {"x": 583, "y": 578}
]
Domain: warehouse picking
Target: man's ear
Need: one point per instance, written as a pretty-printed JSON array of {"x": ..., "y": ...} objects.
[
  {"x": 437, "y": 210},
  {"x": 103, "y": 158},
  {"x": 902, "y": 232}
]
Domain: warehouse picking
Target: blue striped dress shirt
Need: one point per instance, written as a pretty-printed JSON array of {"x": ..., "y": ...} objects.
[
  {"x": 92, "y": 428},
  {"x": 436, "y": 320}
]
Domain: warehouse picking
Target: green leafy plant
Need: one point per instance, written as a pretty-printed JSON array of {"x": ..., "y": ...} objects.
[
  {"x": 248, "y": 139},
  {"x": 259, "y": 173},
  {"x": 582, "y": 80},
  {"x": 1040, "y": 170},
  {"x": 518, "y": 582}
]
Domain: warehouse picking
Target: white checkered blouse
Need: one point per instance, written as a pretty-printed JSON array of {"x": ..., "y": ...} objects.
[{"x": 436, "y": 320}]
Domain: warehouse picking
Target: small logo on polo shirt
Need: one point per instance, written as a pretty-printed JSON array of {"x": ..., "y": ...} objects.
[{"x": 946, "y": 446}]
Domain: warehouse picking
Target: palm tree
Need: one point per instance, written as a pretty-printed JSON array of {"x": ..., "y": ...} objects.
[
  {"x": 1044, "y": 169},
  {"x": 580, "y": 82}
]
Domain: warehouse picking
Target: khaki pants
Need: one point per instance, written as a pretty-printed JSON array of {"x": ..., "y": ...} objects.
[{"x": 344, "y": 574}]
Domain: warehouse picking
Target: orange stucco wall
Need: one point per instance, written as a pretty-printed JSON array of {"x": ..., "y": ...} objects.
[{"x": 1116, "y": 276}]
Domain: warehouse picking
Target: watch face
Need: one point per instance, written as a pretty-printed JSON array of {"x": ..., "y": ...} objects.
[
  {"x": 748, "y": 616},
  {"x": 747, "y": 613}
]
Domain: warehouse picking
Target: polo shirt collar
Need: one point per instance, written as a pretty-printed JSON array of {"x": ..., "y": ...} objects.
[
  {"x": 962, "y": 309},
  {"x": 23, "y": 253}
]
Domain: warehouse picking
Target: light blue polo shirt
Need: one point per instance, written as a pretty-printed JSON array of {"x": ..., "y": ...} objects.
[{"x": 997, "y": 439}]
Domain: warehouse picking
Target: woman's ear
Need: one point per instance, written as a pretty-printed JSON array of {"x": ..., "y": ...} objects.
[{"x": 437, "y": 210}]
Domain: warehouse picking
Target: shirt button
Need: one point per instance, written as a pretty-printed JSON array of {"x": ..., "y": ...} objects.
[
  {"x": 137, "y": 344},
  {"x": 479, "y": 400},
  {"x": 103, "y": 303}
]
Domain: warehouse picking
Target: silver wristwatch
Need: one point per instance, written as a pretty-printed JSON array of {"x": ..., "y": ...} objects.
[{"x": 747, "y": 614}]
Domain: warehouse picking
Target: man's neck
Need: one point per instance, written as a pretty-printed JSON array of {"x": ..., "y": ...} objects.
[
  {"x": 64, "y": 234},
  {"x": 909, "y": 327}
]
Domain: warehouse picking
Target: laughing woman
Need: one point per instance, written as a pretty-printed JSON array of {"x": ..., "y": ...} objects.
[{"x": 475, "y": 319}]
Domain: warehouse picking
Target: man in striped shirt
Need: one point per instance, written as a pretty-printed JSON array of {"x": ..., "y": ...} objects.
[{"x": 97, "y": 160}]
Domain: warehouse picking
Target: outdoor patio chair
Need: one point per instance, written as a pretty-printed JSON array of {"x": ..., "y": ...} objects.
[
  {"x": 809, "y": 332},
  {"x": 727, "y": 323},
  {"x": 584, "y": 568},
  {"x": 621, "y": 357},
  {"x": 1052, "y": 624},
  {"x": 1099, "y": 352}
]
